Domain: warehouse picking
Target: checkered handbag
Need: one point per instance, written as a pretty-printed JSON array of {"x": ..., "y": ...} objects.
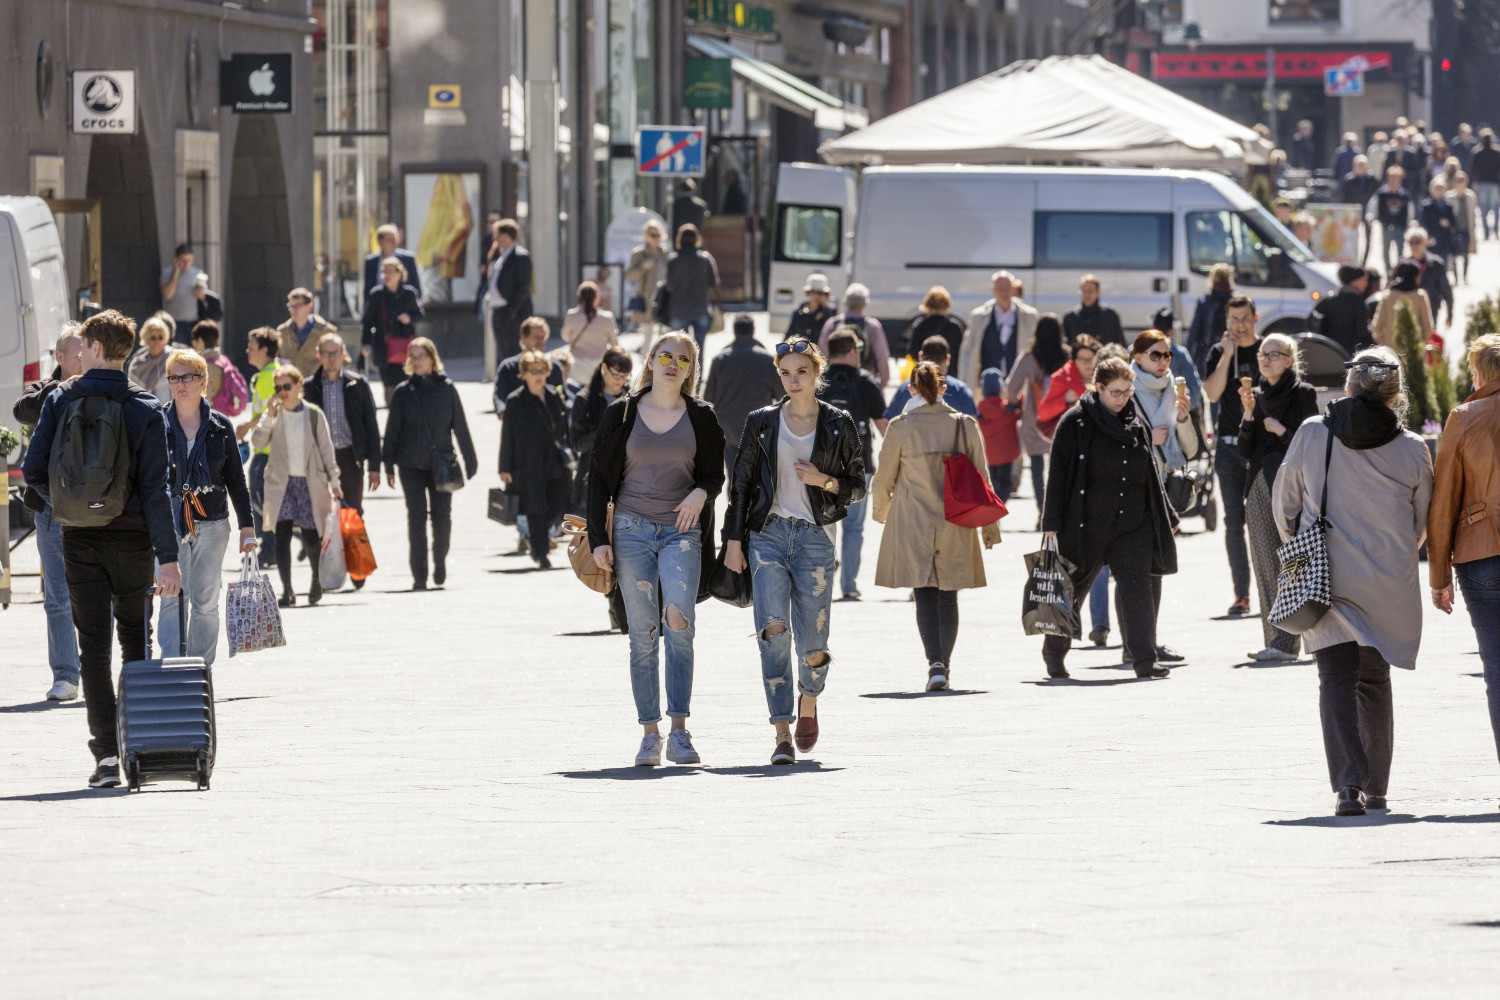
[
  {"x": 250, "y": 611},
  {"x": 1304, "y": 587}
]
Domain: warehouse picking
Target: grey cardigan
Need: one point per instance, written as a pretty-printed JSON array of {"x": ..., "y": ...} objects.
[{"x": 1377, "y": 516}]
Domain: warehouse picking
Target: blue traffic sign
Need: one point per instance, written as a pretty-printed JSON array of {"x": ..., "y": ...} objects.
[
  {"x": 666, "y": 151},
  {"x": 1343, "y": 81}
]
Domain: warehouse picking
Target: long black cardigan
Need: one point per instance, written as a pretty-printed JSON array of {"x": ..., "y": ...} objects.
[
  {"x": 607, "y": 471},
  {"x": 1068, "y": 506}
]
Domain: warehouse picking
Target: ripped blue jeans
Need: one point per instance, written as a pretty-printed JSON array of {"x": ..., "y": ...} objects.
[
  {"x": 648, "y": 554},
  {"x": 791, "y": 566}
]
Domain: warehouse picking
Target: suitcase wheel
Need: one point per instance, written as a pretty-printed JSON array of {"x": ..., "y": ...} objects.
[
  {"x": 133, "y": 773},
  {"x": 202, "y": 771}
]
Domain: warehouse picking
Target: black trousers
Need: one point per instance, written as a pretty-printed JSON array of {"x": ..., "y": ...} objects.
[
  {"x": 351, "y": 479},
  {"x": 937, "y": 623},
  {"x": 1128, "y": 555},
  {"x": 111, "y": 575},
  {"x": 422, "y": 497},
  {"x": 507, "y": 329},
  {"x": 1359, "y": 729},
  {"x": 312, "y": 543},
  {"x": 540, "y": 519}
]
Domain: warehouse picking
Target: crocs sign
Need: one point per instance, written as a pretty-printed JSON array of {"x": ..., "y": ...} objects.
[{"x": 104, "y": 101}]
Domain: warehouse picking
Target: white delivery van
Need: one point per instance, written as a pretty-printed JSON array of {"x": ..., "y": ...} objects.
[
  {"x": 33, "y": 297},
  {"x": 1150, "y": 235}
]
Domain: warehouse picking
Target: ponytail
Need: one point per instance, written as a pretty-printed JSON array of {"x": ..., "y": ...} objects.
[
  {"x": 927, "y": 379},
  {"x": 588, "y": 295}
]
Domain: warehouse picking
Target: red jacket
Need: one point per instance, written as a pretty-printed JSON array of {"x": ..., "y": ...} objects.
[
  {"x": 997, "y": 421},
  {"x": 1055, "y": 403}
]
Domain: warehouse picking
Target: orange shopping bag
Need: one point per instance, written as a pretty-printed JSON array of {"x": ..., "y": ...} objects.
[{"x": 358, "y": 555}]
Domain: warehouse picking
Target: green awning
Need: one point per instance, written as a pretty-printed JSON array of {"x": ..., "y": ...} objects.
[{"x": 782, "y": 88}]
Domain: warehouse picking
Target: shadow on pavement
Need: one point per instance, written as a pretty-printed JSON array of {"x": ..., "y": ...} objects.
[
  {"x": 773, "y": 770},
  {"x": 1384, "y": 819},
  {"x": 1272, "y": 664},
  {"x": 41, "y": 706},
  {"x": 77, "y": 793},
  {"x": 1076, "y": 682},
  {"x": 907, "y": 695},
  {"x": 1233, "y": 618},
  {"x": 602, "y": 631},
  {"x": 649, "y": 773}
]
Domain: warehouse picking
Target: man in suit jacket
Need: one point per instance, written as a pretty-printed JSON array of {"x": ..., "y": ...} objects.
[
  {"x": 510, "y": 288},
  {"x": 1000, "y": 331},
  {"x": 388, "y": 236}
]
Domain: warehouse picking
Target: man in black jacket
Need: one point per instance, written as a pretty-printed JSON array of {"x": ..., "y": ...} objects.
[
  {"x": 1434, "y": 279},
  {"x": 110, "y": 569},
  {"x": 1410, "y": 162},
  {"x": 741, "y": 379},
  {"x": 1344, "y": 318},
  {"x": 857, "y": 393},
  {"x": 62, "y": 641},
  {"x": 1357, "y": 187},
  {"x": 510, "y": 288},
  {"x": 1484, "y": 171},
  {"x": 1390, "y": 206},
  {"x": 347, "y": 402},
  {"x": 1098, "y": 321}
]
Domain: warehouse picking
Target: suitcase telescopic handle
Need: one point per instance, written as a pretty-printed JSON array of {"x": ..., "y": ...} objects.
[{"x": 181, "y": 623}]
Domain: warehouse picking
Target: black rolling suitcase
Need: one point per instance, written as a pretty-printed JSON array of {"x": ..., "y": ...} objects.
[{"x": 166, "y": 715}]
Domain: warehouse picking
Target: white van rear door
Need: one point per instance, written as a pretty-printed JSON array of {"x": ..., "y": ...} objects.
[
  {"x": 1119, "y": 230},
  {"x": 13, "y": 323},
  {"x": 812, "y": 232}
]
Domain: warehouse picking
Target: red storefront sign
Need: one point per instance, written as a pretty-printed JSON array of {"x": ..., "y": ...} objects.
[{"x": 1252, "y": 65}]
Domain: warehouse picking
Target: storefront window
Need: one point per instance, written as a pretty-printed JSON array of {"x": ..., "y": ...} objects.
[{"x": 1305, "y": 11}]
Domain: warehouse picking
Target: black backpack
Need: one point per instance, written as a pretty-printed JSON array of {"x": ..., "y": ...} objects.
[
  {"x": 866, "y": 352},
  {"x": 88, "y": 471}
]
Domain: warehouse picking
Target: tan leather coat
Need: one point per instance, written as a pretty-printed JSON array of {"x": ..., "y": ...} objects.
[{"x": 1463, "y": 523}]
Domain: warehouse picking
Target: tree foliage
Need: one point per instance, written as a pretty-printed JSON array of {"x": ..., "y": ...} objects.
[
  {"x": 1413, "y": 351},
  {"x": 1483, "y": 317}
]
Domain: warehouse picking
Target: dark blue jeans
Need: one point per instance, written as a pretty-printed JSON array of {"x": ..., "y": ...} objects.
[{"x": 1480, "y": 582}]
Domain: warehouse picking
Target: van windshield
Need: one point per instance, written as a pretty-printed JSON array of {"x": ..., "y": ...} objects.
[{"x": 1278, "y": 235}]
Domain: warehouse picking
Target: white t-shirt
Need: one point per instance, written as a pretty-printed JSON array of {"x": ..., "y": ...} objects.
[
  {"x": 294, "y": 427},
  {"x": 791, "y": 492}
]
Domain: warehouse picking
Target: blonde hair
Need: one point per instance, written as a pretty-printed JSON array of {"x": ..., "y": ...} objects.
[
  {"x": 432, "y": 352},
  {"x": 812, "y": 354},
  {"x": 690, "y": 382},
  {"x": 194, "y": 360},
  {"x": 395, "y": 262},
  {"x": 1484, "y": 357},
  {"x": 156, "y": 324},
  {"x": 290, "y": 371},
  {"x": 937, "y": 301},
  {"x": 1221, "y": 274},
  {"x": 534, "y": 358},
  {"x": 561, "y": 356},
  {"x": 1288, "y": 346}
]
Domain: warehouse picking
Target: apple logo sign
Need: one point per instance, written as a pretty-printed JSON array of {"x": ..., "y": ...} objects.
[{"x": 263, "y": 81}]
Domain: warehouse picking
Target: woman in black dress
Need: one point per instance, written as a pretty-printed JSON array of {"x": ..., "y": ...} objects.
[{"x": 535, "y": 460}]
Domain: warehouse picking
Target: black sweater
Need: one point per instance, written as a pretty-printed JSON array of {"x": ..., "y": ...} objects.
[
  {"x": 408, "y": 442},
  {"x": 534, "y": 444},
  {"x": 1291, "y": 405},
  {"x": 380, "y": 322}
]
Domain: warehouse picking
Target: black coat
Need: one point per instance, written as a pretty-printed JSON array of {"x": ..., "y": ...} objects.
[
  {"x": 1100, "y": 322},
  {"x": 950, "y": 328},
  {"x": 513, "y": 284},
  {"x": 807, "y": 322},
  {"x": 607, "y": 471},
  {"x": 359, "y": 410},
  {"x": 836, "y": 452},
  {"x": 1344, "y": 319},
  {"x": 1068, "y": 505},
  {"x": 409, "y": 442},
  {"x": 1435, "y": 283},
  {"x": 408, "y": 260},
  {"x": 534, "y": 446},
  {"x": 380, "y": 319},
  {"x": 741, "y": 380},
  {"x": 1264, "y": 450},
  {"x": 584, "y": 418}
]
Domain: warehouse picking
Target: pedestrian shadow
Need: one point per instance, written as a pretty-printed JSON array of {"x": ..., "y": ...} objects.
[
  {"x": 1386, "y": 819},
  {"x": 1273, "y": 664},
  {"x": 1077, "y": 682},
  {"x": 629, "y": 773},
  {"x": 652, "y": 773},
  {"x": 1479, "y": 923},
  {"x": 76, "y": 793},
  {"x": 519, "y": 569},
  {"x": 1233, "y": 618},
  {"x": 41, "y": 706},
  {"x": 773, "y": 770},
  {"x": 602, "y": 631},
  {"x": 909, "y": 695}
]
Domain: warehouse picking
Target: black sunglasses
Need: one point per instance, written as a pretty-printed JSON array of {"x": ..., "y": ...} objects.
[
  {"x": 284, "y": 388},
  {"x": 794, "y": 347}
]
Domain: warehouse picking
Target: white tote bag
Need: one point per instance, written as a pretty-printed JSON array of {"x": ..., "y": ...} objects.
[
  {"x": 332, "y": 573},
  {"x": 250, "y": 611}
]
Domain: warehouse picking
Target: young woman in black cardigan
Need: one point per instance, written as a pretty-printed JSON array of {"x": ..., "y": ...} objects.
[
  {"x": 535, "y": 460},
  {"x": 1273, "y": 412},
  {"x": 659, "y": 459},
  {"x": 1106, "y": 506}
]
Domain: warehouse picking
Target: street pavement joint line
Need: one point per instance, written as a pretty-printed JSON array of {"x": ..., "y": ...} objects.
[{"x": 437, "y": 889}]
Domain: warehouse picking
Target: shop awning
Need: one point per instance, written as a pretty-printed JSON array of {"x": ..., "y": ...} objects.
[
  {"x": 1063, "y": 109},
  {"x": 782, "y": 88}
]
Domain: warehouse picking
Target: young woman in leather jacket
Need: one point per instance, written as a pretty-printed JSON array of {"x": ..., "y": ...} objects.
[{"x": 799, "y": 468}]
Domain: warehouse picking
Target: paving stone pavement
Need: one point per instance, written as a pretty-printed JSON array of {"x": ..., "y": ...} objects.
[{"x": 431, "y": 794}]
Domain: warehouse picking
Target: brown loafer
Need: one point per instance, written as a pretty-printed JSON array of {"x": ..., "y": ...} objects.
[{"x": 807, "y": 727}]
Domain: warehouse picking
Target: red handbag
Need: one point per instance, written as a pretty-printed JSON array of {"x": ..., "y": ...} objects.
[{"x": 968, "y": 500}]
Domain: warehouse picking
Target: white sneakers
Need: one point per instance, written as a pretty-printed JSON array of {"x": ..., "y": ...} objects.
[
  {"x": 63, "y": 691},
  {"x": 1269, "y": 655},
  {"x": 649, "y": 755},
  {"x": 679, "y": 749}
]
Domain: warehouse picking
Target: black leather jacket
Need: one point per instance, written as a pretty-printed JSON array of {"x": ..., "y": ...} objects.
[{"x": 836, "y": 451}]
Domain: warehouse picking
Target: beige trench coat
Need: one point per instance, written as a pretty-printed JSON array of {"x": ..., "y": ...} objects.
[
  {"x": 322, "y": 468},
  {"x": 919, "y": 547}
]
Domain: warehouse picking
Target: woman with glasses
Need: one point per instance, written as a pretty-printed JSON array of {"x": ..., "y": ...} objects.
[
  {"x": 204, "y": 476},
  {"x": 920, "y": 549},
  {"x": 148, "y": 369},
  {"x": 386, "y": 329},
  {"x": 800, "y": 465},
  {"x": 1106, "y": 506},
  {"x": 535, "y": 460},
  {"x": 659, "y": 462},
  {"x": 302, "y": 475},
  {"x": 426, "y": 417},
  {"x": 1272, "y": 411}
]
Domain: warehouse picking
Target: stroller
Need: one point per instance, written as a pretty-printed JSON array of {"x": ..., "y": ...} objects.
[{"x": 1190, "y": 489}]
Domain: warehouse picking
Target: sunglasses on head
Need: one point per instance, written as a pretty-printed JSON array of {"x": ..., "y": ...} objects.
[
  {"x": 793, "y": 347},
  {"x": 285, "y": 388},
  {"x": 1384, "y": 366},
  {"x": 669, "y": 360}
]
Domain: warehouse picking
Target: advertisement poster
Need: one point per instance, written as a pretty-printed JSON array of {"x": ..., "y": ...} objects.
[
  {"x": 443, "y": 223},
  {"x": 1336, "y": 229}
]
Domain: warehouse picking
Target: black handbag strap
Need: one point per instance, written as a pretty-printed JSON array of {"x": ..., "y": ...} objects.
[{"x": 1327, "y": 461}]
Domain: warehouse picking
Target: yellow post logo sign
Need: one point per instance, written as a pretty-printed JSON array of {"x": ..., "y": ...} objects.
[{"x": 441, "y": 95}]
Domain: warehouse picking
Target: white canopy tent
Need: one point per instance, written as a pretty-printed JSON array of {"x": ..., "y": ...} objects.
[{"x": 1063, "y": 109}]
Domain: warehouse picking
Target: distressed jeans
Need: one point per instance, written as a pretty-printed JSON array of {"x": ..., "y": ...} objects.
[
  {"x": 791, "y": 572},
  {"x": 1480, "y": 582},
  {"x": 62, "y": 640},
  {"x": 200, "y": 560},
  {"x": 647, "y": 555}
]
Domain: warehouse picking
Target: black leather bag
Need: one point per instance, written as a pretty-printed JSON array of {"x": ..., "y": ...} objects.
[
  {"x": 661, "y": 304},
  {"x": 504, "y": 506},
  {"x": 447, "y": 474},
  {"x": 730, "y": 587}
]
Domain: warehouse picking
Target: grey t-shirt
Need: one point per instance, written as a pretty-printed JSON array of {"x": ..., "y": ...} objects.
[
  {"x": 183, "y": 305},
  {"x": 658, "y": 471}
]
